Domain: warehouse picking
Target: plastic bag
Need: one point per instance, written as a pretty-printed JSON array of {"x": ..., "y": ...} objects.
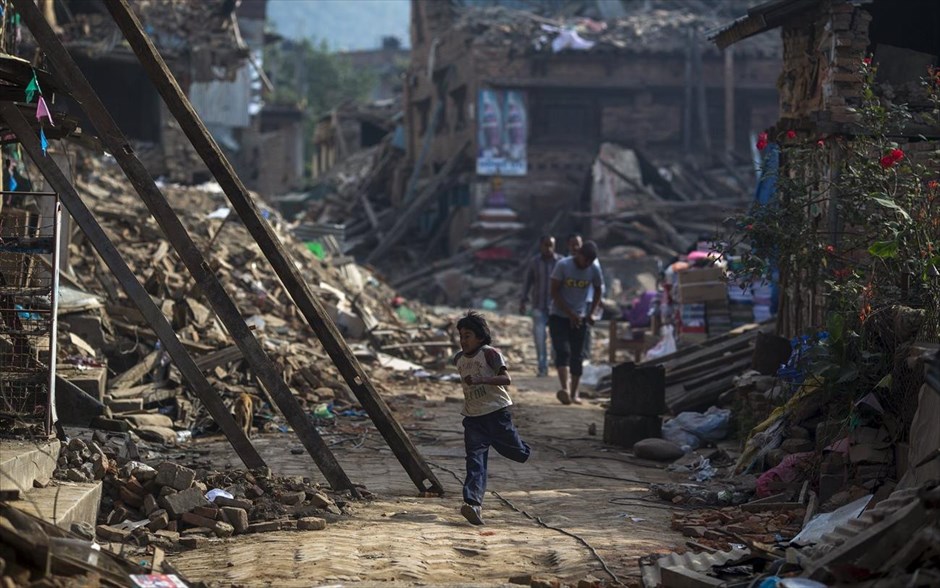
[
  {"x": 691, "y": 430},
  {"x": 665, "y": 346},
  {"x": 212, "y": 494},
  {"x": 673, "y": 431}
]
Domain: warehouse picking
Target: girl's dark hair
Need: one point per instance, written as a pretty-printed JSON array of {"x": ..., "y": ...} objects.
[{"x": 475, "y": 322}]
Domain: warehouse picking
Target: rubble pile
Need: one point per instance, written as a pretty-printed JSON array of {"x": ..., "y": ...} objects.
[
  {"x": 642, "y": 31},
  {"x": 344, "y": 201},
  {"x": 81, "y": 462},
  {"x": 38, "y": 553},
  {"x": 90, "y": 28},
  {"x": 172, "y": 506},
  {"x": 105, "y": 332},
  {"x": 893, "y": 543},
  {"x": 719, "y": 528}
]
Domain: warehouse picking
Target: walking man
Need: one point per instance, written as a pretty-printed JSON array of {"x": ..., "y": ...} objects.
[
  {"x": 571, "y": 315},
  {"x": 574, "y": 245},
  {"x": 538, "y": 280}
]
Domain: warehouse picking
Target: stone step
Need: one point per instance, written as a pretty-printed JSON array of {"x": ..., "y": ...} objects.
[
  {"x": 22, "y": 462},
  {"x": 63, "y": 503}
]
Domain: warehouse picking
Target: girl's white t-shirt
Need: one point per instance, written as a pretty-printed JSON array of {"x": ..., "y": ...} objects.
[{"x": 481, "y": 399}]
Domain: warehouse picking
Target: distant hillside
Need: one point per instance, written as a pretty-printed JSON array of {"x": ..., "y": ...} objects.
[{"x": 344, "y": 24}]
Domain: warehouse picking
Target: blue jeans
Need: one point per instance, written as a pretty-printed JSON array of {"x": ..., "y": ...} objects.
[
  {"x": 479, "y": 433},
  {"x": 539, "y": 333}
]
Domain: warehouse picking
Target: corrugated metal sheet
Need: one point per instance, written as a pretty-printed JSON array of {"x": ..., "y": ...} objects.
[
  {"x": 224, "y": 103},
  {"x": 839, "y": 535},
  {"x": 700, "y": 562}
]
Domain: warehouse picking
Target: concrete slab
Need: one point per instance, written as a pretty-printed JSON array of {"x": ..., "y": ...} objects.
[
  {"x": 63, "y": 504},
  {"x": 22, "y": 462}
]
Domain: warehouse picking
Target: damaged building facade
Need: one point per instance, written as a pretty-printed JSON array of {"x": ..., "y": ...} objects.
[
  {"x": 821, "y": 87},
  {"x": 532, "y": 98},
  {"x": 214, "y": 51}
]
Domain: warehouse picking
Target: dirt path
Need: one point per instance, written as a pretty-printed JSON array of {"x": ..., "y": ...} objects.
[{"x": 572, "y": 483}]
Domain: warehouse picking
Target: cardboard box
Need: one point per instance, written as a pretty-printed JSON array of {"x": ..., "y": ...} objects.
[
  {"x": 702, "y": 292},
  {"x": 695, "y": 276}
]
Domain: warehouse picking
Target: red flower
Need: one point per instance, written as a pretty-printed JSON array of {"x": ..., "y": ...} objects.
[
  {"x": 933, "y": 184},
  {"x": 830, "y": 249},
  {"x": 867, "y": 61},
  {"x": 890, "y": 159},
  {"x": 761, "y": 141},
  {"x": 820, "y": 143},
  {"x": 749, "y": 228},
  {"x": 791, "y": 134}
]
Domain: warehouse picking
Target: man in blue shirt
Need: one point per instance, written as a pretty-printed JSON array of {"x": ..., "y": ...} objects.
[
  {"x": 574, "y": 244},
  {"x": 571, "y": 315},
  {"x": 538, "y": 280}
]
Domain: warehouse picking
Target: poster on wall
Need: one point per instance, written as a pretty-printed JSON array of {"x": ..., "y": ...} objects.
[{"x": 502, "y": 133}]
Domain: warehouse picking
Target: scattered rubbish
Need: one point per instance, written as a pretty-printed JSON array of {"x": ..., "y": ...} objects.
[
  {"x": 691, "y": 430},
  {"x": 826, "y": 522},
  {"x": 212, "y": 494}
]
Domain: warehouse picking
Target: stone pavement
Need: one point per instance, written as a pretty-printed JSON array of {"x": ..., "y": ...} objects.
[{"x": 573, "y": 509}]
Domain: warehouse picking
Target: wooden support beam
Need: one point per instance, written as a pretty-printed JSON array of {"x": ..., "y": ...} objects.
[
  {"x": 135, "y": 291},
  {"x": 676, "y": 240},
  {"x": 412, "y": 209},
  {"x": 114, "y": 140},
  {"x": 133, "y": 376},
  {"x": 281, "y": 262}
]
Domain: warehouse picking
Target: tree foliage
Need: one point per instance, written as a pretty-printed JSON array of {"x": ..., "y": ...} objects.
[{"x": 314, "y": 79}]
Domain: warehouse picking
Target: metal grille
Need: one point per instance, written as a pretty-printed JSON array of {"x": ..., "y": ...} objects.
[{"x": 28, "y": 316}]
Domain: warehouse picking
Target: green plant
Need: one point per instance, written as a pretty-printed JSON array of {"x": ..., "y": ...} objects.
[
  {"x": 856, "y": 221},
  {"x": 315, "y": 79}
]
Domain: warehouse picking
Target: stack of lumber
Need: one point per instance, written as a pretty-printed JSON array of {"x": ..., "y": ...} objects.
[{"x": 697, "y": 375}]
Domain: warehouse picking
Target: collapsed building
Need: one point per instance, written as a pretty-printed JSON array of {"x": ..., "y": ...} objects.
[
  {"x": 214, "y": 50},
  {"x": 530, "y": 99}
]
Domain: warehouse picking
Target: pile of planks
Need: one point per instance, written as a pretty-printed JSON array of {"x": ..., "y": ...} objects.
[{"x": 697, "y": 375}]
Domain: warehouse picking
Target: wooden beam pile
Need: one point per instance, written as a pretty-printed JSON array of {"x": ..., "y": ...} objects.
[
  {"x": 696, "y": 376},
  {"x": 669, "y": 214}
]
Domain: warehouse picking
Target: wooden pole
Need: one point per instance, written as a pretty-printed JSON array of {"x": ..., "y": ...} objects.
[
  {"x": 115, "y": 141},
  {"x": 274, "y": 251},
  {"x": 701, "y": 99},
  {"x": 687, "y": 110},
  {"x": 135, "y": 291},
  {"x": 729, "y": 99}
]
